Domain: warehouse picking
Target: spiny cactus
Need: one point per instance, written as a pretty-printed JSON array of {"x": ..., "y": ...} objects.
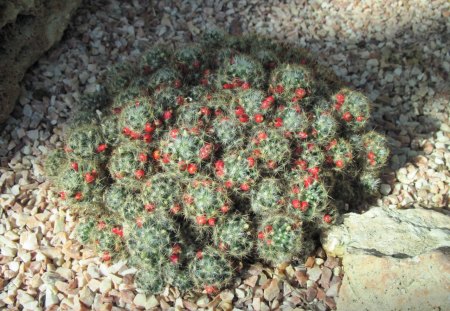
[
  {"x": 192, "y": 160},
  {"x": 233, "y": 236},
  {"x": 279, "y": 238}
]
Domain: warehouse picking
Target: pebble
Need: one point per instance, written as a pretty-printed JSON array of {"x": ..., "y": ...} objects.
[
  {"x": 314, "y": 273},
  {"x": 385, "y": 189}
]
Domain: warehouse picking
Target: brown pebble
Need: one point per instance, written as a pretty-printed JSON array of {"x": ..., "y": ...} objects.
[
  {"x": 428, "y": 148},
  {"x": 311, "y": 293},
  {"x": 326, "y": 276},
  {"x": 332, "y": 262},
  {"x": 330, "y": 303},
  {"x": 302, "y": 278},
  {"x": 321, "y": 294},
  {"x": 310, "y": 262}
]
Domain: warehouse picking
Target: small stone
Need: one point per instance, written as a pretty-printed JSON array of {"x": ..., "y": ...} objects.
[
  {"x": 428, "y": 147},
  {"x": 33, "y": 134},
  {"x": 310, "y": 262},
  {"x": 226, "y": 295},
  {"x": 319, "y": 261},
  {"x": 326, "y": 276},
  {"x": 302, "y": 278},
  {"x": 337, "y": 271},
  {"x": 331, "y": 262},
  {"x": 105, "y": 286},
  {"x": 251, "y": 281},
  {"x": 240, "y": 293},
  {"x": 271, "y": 292},
  {"x": 385, "y": 189},
  {"x": 311, "y": 293},
  {"x": 314, "y": 273},
  {"x": 50, "y": 297},
  {"x": 329, "y": 301},
  {"x": 28, "y": 240},
  {"x": 86, "y": 296}
]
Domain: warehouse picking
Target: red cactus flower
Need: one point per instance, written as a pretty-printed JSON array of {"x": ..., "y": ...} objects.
[
  {"x": 251, "y": 161},
  {"x": 211, "y": 289},
  {"x": 304, "y": 206},
  {"x": 147, "y": 138},
  {"x": 174, "y": 133},
  {"x": 219, "y": 165},
  {"x": 156, "y": 155},
  {"x": 106, "y": 256},
  {"x": 78, "y": 196},
  {"x": 212, "y": 222},
  {"x": 302, "y": 135},
  {"x": 239, "y": 111},
  {"x": 268, "y": 228},
  {"x": 224, "y": 209},
  {"x": 359, "y": 118},
  {"x": 201, "y": 220},
  {"x": 150, "y": 207},
  {"x": 327, "y": 218},
  {"x": 347, "y": 117},
  {"x": 278, "y": 122},
  {"x": 340, "y": 98},
  {"x": 228, "y": 184},
  {"x": 244, "y": 118},
  {"x": 174, "y": 258},
  {"x": 339, "y": 163},
  {"x": 89, "y": 178},
  {"x": 245, "y": 86},
  {"x": 300, "y": 93},
  {"x": 74, "y": 166},
  {"x": 308, "y": 181},
  {"x": 176, "y": 248},
  {"x": 261, "y": 235},
  {"x": 101, "y": 148},
  {"x": 139, "y": 174},
  {"x": 139, "y": 222},
  {"x": 167, "y": 115},
  {"x": 199, "y": 254},
  {"x": 177, "y": 84},
  {"x": 295, "y": 203},
  {"x": 149, "y": 128},
  {"x": 134, "y": 135},
  {"x": 143, "y": 157},
  {"x": 279, "y": 89},
  {"x": 245, "y": 187},
  {"x": 259, "y": 118},
  {"x": 192, "y": 168},
  {"x": 166, "y": 158},
  {"x": 371, "y": 155},
  {"x": 62, "y": 195},
  {"x": 228, "y": 86},
  {"x": 175, "y": 209},
  {"x": 117, "y": 231}
]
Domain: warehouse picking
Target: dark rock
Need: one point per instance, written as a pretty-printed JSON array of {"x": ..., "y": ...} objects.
[{"x": 27, "y": 30}]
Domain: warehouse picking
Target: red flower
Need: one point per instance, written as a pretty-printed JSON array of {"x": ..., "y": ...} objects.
[
  {"x": 174, "y": 133},
  {"x": 180, "y": 100},
  {"x": 347, "y": 117},
  {"x": 201, "y": 220},
  {"x": 278, "y": 122},
  {"x": 228, "y": 86},
  {"x": 212, "y": 222},
  {"x": 261, "y": 235},
  {"x": 175, "y": 209},
  {"x": 167, "y": 115},
  {"x": 106, "y": 256},
  {"x": 359, "y": 118},
  {"x": 295, "y": 203},
  {"x": 302, "y": 135},
  {"x": 199, "y": 254},
  {"x": 205, "y": 111},
  {"x": 147, "y": 138},
  {"x": 259, "y": 118},
  {"x": 78, "y": 196},
  {"x": 149, "y": 128},
  {"x": 251, "y": 161},
  {"x": 74, "y": 165},
  {"x": 117, "y": 231},
  {"x": 101, "y": 148},
  {"x": 139, "y": 174},
  {"x": 143, "y": 157},
  {"x": 339, "y": 163},
  {"x": 62, "y": 195},
  {"x": 371, "y": 155},
  {"x": 156, "y": 155},
  {"x": 219, "y": 165},
  {"x": 239, "y": 111},
  {"x": 279, "y": 89},
  {"x": 192, "y": 168},
  {"x": 244, "y": 118},
  {"x": 340, "y": 98},
  {"x": 327, "y": 218},
  {"x": 245, "y": 187},
  {"x": 300, "y": 93},
  {"x": 245, "y": 86},
  {"x": 304, "y": 206},
  {"x": 224, "y": 209},
  {"x": 308, "y": 181},
  {"x": 228, "y": 184},
  {"x": 89, "y": 178},
  {"x": 174, "y": 258},
  {"x": 150, "y": 207}
]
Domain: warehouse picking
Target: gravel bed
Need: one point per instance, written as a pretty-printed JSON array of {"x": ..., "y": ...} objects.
[{"x": 395, "y": 51}]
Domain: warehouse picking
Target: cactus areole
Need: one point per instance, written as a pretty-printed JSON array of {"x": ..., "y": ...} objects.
[{"x": 204, "y": 157}]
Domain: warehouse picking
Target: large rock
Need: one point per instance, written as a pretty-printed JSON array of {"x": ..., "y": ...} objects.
[
  {"x": 28, "y": 28},
  {"x": 393, "y": 260}
]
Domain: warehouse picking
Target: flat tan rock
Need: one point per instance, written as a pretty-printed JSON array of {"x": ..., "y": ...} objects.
[{"x": 388, "y": 283}]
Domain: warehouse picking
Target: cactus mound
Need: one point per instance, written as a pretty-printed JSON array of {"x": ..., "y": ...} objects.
[{"x": 203, "y": 158}]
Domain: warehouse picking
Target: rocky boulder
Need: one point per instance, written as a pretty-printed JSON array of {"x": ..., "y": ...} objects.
[
  {"x": 392, "y": 259},
  {"x": 28, "y": 28}
]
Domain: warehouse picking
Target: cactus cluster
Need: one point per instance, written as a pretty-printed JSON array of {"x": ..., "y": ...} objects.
[{"x": 235, "y": 148}]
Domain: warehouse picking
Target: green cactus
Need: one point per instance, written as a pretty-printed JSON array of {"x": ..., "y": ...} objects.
[
  {"x": 233, "y": 236},
  {"x": 204, "y": 157},
  {"x": 279, "y": 238}
]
